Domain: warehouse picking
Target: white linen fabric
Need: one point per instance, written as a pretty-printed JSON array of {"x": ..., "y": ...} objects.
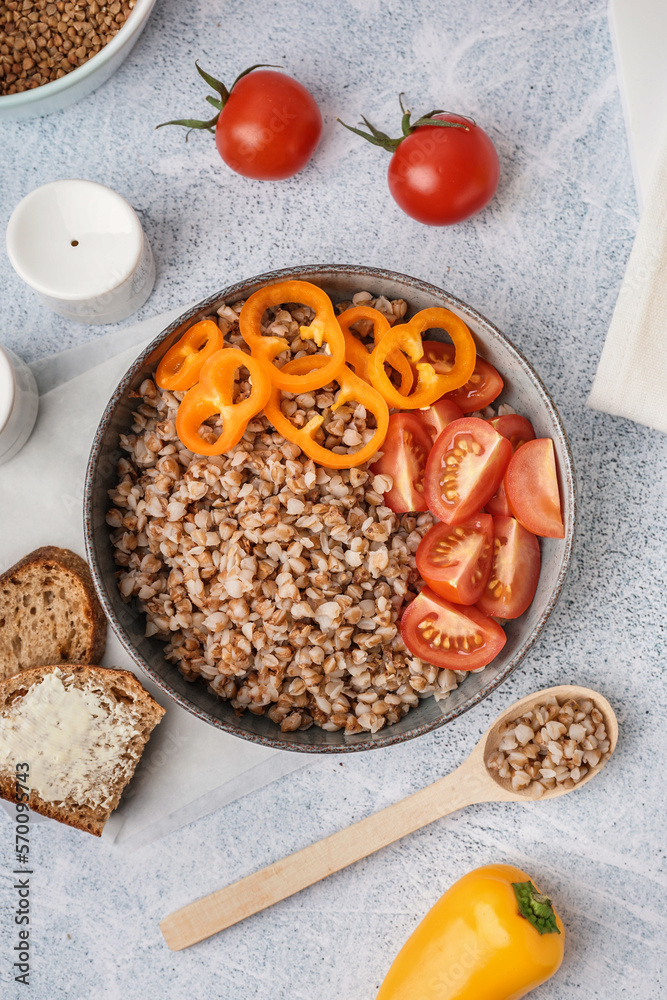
[{"x": 631, "y": 379}]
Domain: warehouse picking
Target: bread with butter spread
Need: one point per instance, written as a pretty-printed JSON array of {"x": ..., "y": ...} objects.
[
  {"x": 81, "y": 730},
  {"x": 49, "y": 612}
]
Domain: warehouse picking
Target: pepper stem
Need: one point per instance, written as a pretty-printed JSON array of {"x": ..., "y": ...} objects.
[{"x": 535, "y": 907}]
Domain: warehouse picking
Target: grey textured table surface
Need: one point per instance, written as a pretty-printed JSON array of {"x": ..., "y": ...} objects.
[{"x": 545, "y": 262}]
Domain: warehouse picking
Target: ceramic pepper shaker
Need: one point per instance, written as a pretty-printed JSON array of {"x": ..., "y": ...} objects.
[{"x": 81, "y": 247}]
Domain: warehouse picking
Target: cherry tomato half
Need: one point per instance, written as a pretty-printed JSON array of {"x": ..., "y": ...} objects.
[
  {"x": 531, "y": 484},
  {"x": 464, "y": 469},
  {"x": 483, "y": 386},
  {"x": 269, "y": 127},
  {"x": 437, "y": 416},
  {"x": 456, "y": 562},
  {"x": 405, "y": 451},
  {"x": 448, "y": 636},
  {"x": 515, "y": 571},
  {"x": 517, "y": 430},
  {"x": 440, "y": 176}
]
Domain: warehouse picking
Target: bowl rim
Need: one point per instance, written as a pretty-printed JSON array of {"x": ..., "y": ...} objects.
[
  {"x": 384, "y": 738},
  {"x": 28, "y": 98},
  {"x": 8, "y": 385}
]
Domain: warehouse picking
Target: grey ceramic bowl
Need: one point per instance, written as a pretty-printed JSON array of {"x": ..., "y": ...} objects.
[{"x": 523, "y": 390}]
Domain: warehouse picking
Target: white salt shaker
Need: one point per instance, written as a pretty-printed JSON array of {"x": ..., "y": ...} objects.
[
  {"x": 19, "y": 401},
  {"x": 81, "y": 247}
]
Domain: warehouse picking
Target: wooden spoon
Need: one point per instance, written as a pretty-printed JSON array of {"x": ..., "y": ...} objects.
[{"x": 472, "y": 782}]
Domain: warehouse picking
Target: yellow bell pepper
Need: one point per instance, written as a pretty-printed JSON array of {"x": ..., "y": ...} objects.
[
  {"x": 324, "y": 328},
  {"x": 492, "y": 936},
  {"x": 407, "y": 338},
  {"x": 214, "y": 394},
  {"x": 351, "y": 388}
]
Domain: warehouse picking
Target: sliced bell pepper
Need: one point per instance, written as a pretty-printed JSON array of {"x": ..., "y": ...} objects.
[
  {"x": 214, "y": 393},
  {"x": 180, "y": 368},
  {"x": 351, "y": 387},
  {"x": 357, "y": 355},
  {"x": 431, "y": 385},
  {"x": 323, "y": 329}
]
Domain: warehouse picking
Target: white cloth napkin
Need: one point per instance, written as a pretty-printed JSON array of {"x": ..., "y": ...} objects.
[
  {"x": 189, "y": 769},
  {"x": 52, "y": 371},
  {"x": 631, "y": 379}
]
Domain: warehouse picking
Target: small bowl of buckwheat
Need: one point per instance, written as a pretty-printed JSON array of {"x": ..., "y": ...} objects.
[
  {"x": 257, "y": 571},
  {"x": 52, "y": 54}
]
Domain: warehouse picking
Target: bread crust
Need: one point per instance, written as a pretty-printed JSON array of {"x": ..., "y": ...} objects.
[
  {"x": 79, "y": 815},
  {"x": 51, "y": 555}
]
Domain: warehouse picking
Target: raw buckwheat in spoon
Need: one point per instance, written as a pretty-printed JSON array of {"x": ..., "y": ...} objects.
[{"x": 544, "y": 745}]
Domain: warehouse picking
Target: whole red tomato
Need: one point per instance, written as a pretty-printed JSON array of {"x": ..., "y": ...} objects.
[
  {"x": 440, "y": 176},
  {"x": 443, "y": 169},
  {"x": 269, "y": 127}
]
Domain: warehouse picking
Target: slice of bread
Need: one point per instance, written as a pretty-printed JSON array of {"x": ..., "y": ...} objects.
[
  {"x": 81, "y": 730},
  {"x": 49, "y": 612}
]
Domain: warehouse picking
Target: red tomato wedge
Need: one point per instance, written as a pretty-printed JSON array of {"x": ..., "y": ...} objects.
[
  {"x": 515, "y": 571},
  {"x": 438, "y": 416},
  {"x": 484, "y": 385},
  {"x": 448, "y": 636},
  {"x": 405, "y": 450},
  {"x": 517, "y": 430},
  {"x": 498, "y": 505},
  {"x": 465, "y": 468},
  {"x": 456, "y": 562},
  {"x": 531, "y": 484}
]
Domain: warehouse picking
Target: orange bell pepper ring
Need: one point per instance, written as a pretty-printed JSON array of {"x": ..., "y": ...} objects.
[
  {"x": 431, "y": 385},
  {"x": 214, "y": 393},
  {"x": 358, "y": 356},
  {"x": 182, "y": 364},
  {"x": 351, "y": 387},
  {"x": 323, "y": 329}
]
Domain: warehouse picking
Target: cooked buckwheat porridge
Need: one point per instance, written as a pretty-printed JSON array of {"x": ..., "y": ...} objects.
[{"x": 276, "y": 581}]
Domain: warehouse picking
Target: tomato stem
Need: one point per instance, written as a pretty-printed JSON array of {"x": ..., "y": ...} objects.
[
  {"x": 209, "y": 126},
  {"x": 378, "y": 138},
  {"x": 213, "y": 83},
  {"x": 251, "y": 68}
]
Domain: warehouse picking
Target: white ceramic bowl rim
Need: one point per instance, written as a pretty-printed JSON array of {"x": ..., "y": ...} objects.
[
  {"x": 130, "y": 28},
  {"x": 7, "y": 388}
]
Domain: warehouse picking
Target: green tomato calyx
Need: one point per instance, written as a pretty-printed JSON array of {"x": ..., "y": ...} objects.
[
  {"x": 218, "y": 102},
  {"x": 385, "y": 141}
]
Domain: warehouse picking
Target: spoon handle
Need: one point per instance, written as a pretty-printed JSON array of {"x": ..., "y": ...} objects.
[{"x": 235, "y": 902}]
